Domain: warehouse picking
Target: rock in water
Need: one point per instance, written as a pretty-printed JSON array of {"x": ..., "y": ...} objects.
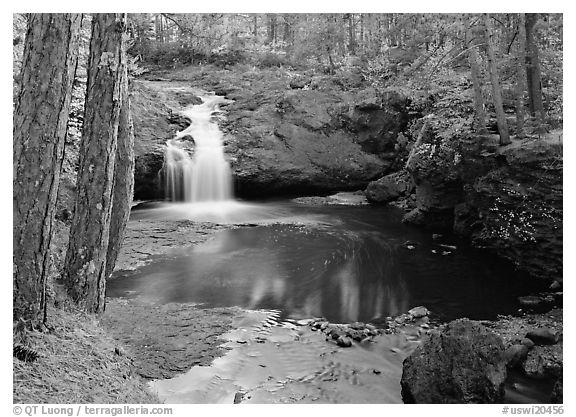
[
  {"x": 343, "y": 341},
  {"x": 462, "y": 362},
  {"x": 419, "y": 312}
]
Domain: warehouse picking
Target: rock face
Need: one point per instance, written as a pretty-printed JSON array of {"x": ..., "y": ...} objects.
[
  {"x": 463, "y": 362},
  {"x": 156, "y": 120},
  {"x": 507, "y": 199},
  {"x": 434, "y": 168},
  {"x": 316, "y": 140},
  {"x": 283, "y": 135},
  {"x": 516, "y": 209}
]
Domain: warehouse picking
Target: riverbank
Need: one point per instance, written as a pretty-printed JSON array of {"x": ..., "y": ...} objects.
[{"x": 77, "y": 362}]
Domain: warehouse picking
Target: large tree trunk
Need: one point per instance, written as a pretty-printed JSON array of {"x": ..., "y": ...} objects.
[
  {"x": 533, "y": 75},
  {"x": 123, "y": 189},
  {"x": 40, "y": 125},
  {"x": 85, "y": 268},
  {"x": 495, "y": 80},
  {"x": 473, "y": 59},
  {"x": 520, "y": 76}
]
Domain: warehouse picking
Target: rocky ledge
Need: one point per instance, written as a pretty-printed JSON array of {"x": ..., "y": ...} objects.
[{"x": 506, "y": 199}]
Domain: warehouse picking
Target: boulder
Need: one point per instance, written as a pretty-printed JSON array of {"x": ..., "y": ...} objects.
[
  {"x": 390, "y": 187},
  {"x": 462, "y": 362},
  {"x": 419, "y": 312},
  {"x": 543, "y": 336}
]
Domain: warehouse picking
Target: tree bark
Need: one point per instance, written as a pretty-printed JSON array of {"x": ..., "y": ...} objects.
[
  {"x": 520, "y": 75},
  {"x": 496, "y": 89},
  {"x": 533, "y": 75},
  {"x": 40, "y": 126},
  {"x": 473, "y": 59},
  {"x": 85, "y": 270},
  {"x": 123, "y": 189}
]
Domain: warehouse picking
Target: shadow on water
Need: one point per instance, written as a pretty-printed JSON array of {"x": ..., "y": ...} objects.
[{"x": 353, "y": 265}]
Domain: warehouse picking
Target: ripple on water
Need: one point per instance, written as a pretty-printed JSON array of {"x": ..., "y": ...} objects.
[{"x": 274, "y": 361}]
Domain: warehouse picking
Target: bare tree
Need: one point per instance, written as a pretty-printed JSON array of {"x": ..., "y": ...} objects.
[
  {"x": 473, "y": 59},
  {"x": 520, "y": 76},
  {"x": 495, "y": 80},
  {"x": 533, "y": 74}
]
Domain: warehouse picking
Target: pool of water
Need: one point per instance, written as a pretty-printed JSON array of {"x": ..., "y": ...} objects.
[{"x": 343, "y": 263}]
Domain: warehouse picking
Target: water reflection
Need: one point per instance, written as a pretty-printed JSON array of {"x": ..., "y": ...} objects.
[{"x": 352, "y": 268}]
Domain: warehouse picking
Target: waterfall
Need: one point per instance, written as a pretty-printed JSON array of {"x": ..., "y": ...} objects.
[{"x": 206, "y": 176}]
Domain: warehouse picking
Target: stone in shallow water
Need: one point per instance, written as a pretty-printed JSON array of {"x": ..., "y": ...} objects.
[
  {"x": 343, "y": 341},
  {"x": 418, "y": 312}
]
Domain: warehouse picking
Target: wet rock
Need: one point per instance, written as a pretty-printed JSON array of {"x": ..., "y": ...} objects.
[
  {"x": 463, "y": 362},
  {"x": 515, "y": 355},
  {"x": 543, "y": 336},
  {"x": 555, "y": 285},
  {"x": 238, "y": 397},
  {"x": 418, "y": 312},
  {"x": 390, "y": 188},
  {"x": 450, "y": 247},
  {"x": 178, "y": 119},
  {"x": 530, "y": 301},
  {"x": 356, "y": 335},
  {"x": 344, "y": 341}
]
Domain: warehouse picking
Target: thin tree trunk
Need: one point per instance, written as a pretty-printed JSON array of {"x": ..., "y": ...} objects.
[
  {"x": 40, "y": 126},
  {"x": 473, "y": 59},
  {"x": 351, "y": 34},
  {"x": 271, "y": 28},
  {"x": 496, "y": 89},
  {"x": 362, "y": 40},
  {"x": 85, "y": 270},
  {"x": 533, "y": 75},
  {"x": 520, "y": 75},
  {"x": 123, "y": 189}
]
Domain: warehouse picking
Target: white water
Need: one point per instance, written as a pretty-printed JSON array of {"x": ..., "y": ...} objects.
[{"x": 206, "y": 176}]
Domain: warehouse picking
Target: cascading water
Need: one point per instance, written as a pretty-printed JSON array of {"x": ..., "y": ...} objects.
[
  {"x": 205, "y": 177},
  {"x": 198, "y": 176}
]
